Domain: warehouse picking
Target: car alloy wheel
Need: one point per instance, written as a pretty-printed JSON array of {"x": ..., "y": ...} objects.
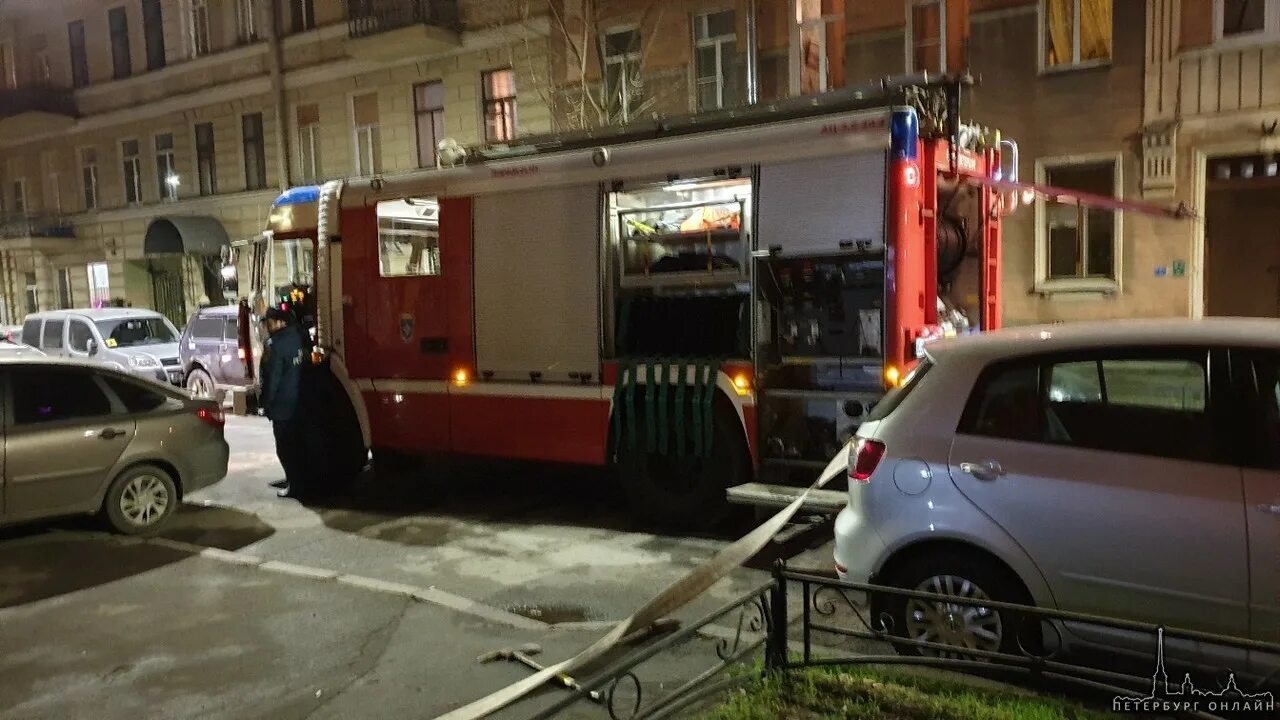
[
  {"x": 144, "y": 500},
  {"x": 973, "y": 627},
  {"x": 199, "y": 385}
]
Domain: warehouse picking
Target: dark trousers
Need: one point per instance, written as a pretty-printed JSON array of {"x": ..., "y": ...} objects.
[{"x": 291, "y": 448}]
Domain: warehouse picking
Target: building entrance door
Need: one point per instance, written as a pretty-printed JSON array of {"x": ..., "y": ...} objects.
[
  {"x": 1242, "y": 240},
  {"x": 167, "y": 289}
]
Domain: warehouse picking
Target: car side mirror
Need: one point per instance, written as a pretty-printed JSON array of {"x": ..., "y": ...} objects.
[{"x": 92, "y": 347}]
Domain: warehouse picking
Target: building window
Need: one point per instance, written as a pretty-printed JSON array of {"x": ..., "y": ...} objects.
[
  {"x": 8, "y": 69},
  {"x": 206, "y": 164},
  {"x": 810, "y": 67},
  {"x": 366, "y": 135},
  {"x": 89, "y": 177},
  {"x": 714, "y": 46},
  {"x": 1075, "y": 33},
  {"x": 499, "y": 91},
  {"x": 1080, "y": 243},
  {"x": 255, "y": 155},
  {"x": 65, "y": 300},
  {"x": 302, "y": 15},
  {"x": 623, "y": 89},
  {"x": 33, "y": 298},
  {"x": 198, "y": 27},
  {"x": 927, "y": 35},
  {"x": 1245, "y": 19},
  {"x": 99, "y": 284},
  {"x": 166, "y": 168},
  {"x": 132, "y": 165},
  {"x": 118, "y": 23},
  {"x": 52, "y": 182},
  {"x": 19, "y": 197},
  {"x": 428, "y": 114},
  {"x": 153, "y": 33},
  {"x": 246, "y": 21},
  {"x": 79, "y": 58},
  {"x": 308, "y": 120},
  {"x": 44, "y": 70}
]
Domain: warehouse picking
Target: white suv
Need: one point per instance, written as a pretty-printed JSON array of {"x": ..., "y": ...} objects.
[{"x": 1125, "y": 469}]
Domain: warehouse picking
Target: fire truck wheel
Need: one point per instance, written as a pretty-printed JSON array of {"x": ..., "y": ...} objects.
[{"x": 668, "y": 490}]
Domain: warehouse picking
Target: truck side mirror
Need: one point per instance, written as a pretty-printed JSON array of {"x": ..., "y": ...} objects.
[{"x": 92, "y": 347}]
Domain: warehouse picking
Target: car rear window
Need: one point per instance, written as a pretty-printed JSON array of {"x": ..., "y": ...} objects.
[
  {"x": 135, "y": 397},
  {"x": 894, "y": 397}
]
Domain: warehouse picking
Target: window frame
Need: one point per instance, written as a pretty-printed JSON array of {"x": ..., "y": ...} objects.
[
  {"x": 911, "y": 35},
  {"x": 153, "y": 33},
  {"x": 136, "y": 161},
  {"x": 1076, "y": 63},
  {"x": 1043, "y": 283},
  {"x": 198, "y": 33},
  {"x": 72, "y": 322},
  {"x": 246, "y": 22},
  {"x": 630, "y": 63},
  {"x": 52, "y": 182},
  {"x": 200, "y": 156},
  {"x": 8, "y": 66},
  {"x": 1269, "y": 33},
  {"x": 78, "y": 49},
  {"x": 702, "y": 23},
  {"x": 1220, "y": 399},
  {"x": 302, "y": 16},
  {"x": 118, "y": 38},
  {"x": 254, "y": 148},
  {"x": 66, "y": 289},
  {"x": 166, "y": 159},
  {"x": 98, "y": 293},
  {"x": 370, "y": 135},
  {"x": 88, "y": 177},
  {"x": 21, "y": 206},
  {"x": 504, "y": 103},
  {"x": 58, "y": 337},
  {"x": 31, "y": 294},
  {"x": 307, "y": 135},
  {"x": 432, "y": 261},
  {"x": 431, "y": 113}
]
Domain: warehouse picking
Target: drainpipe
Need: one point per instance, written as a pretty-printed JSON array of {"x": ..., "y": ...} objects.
[
  {"x": 275, "y": 58},
  {"x": 753, "y": 55}
]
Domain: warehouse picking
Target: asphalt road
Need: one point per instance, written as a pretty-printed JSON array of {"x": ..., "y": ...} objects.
[{"x": 375, "y": 604}]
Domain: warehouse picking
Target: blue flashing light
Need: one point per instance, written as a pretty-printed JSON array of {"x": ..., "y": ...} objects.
[
  {"x": 904, "y": 132},
  {"x": 298, "y": 196}
]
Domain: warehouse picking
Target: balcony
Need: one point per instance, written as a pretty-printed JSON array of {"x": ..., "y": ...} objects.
[
  {"x": 388, "y": 29},
  {"x": 30, "y": 110},
  {"x": 34, "y": 232},
  {"x": 1229, "y": 79}
]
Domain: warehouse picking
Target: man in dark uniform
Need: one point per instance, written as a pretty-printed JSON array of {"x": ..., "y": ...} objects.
[{"x": 281, "y": 392}]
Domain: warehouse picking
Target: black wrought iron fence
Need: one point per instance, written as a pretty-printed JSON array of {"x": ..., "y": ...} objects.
[{"x": 798, "y": 620}]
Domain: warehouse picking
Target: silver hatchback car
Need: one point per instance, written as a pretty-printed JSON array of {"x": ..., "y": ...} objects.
[
  {"x": 1122, "y": 469},
  {"x": 82, "y": 438}
]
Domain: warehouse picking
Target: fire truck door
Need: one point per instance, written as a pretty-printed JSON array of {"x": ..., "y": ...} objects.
[{"x": 414, "y": 348}]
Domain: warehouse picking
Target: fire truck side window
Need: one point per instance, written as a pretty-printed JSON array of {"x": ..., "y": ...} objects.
[{"x": 409, "y": 237}]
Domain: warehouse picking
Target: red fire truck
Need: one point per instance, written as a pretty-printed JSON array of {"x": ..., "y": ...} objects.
[{"x": 700, "y": 305}]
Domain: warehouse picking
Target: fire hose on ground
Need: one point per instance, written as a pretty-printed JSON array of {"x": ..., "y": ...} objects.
[{"x": 674, "y": 597}]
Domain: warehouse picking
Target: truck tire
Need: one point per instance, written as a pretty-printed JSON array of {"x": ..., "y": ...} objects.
[{"x": 667, "y": 490}]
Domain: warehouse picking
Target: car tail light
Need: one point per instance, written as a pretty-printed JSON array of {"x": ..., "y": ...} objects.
[
  {"x": 212, "y": 416},
  {"x": 866, "y": 456}
]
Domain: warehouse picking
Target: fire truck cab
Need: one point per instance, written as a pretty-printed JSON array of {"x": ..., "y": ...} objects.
[{"x": 703, "y": 306}]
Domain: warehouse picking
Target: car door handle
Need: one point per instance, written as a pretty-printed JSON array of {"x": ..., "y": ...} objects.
[
  {"x": 1273, "y": 509},
  {"x": 986, "y": 470},
  {"x": 111, "y": 434}
]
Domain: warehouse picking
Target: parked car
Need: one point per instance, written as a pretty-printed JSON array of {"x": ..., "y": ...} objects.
[
  {"x": 1125, "y": 469},
  {"x": 84, "y": 438},
  {"x": 11, "y": 334},
  {"x": 140, "y": 342},
  {"x": 211, "y": 356},
  {"x": 17, "y": 350}
]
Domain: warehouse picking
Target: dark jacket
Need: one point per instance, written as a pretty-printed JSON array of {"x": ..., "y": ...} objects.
[{"x": 282, "y": 376}]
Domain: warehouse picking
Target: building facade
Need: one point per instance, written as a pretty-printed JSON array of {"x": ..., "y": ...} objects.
[
  {"x": 121, "y": 121},
  {"x": 139, "y": 137}
]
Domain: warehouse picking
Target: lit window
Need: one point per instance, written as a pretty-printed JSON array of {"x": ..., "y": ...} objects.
[
  {"x": 623, "y": 89},
  {"x": 409, "y": 237},
  {"x": 499, "y": 87},
  {"x": 927, "y": 33},
  {"x": 1075, "y": 32}
]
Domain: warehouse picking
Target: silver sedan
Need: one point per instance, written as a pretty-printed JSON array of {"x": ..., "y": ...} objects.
[{"x": 82, "y": 439}]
